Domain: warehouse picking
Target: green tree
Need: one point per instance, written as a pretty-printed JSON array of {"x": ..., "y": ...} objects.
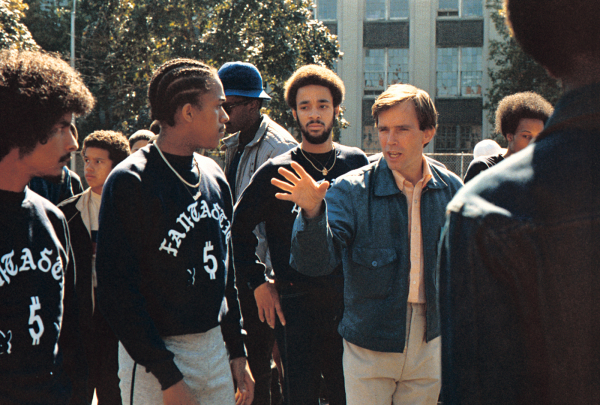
[
  {"x": 124, "y": 41},
  {"x": 13, "y": 32},
  {"x": 514, "y": 70},
  {"x": 50, "y": 26}
]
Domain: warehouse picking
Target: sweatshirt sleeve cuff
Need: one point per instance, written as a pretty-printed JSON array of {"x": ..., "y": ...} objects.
[
  {"x": 255, "y": 282},
  {"x": 237, "y": 351},
  {"x": 167, "y": 375}
]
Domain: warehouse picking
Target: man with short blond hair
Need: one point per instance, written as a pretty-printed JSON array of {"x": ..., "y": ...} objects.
[{"x": 382, "y": 223}]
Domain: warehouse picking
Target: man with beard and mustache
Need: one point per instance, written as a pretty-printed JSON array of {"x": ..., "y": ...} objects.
[
  {"x": 308, "y": 308},
  {"x": 57, "y": 188},
  {"x": 39, "y": 95},
  {"x": 382, "y": 224}
]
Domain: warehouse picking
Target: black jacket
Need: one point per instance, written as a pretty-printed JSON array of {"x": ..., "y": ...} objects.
[{"x": 520, "y": 270}]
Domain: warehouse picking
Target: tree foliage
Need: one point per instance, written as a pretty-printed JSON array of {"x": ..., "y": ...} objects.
[
  {"x": 13, "y": 32},
  {"x": 514, "y": 70},
  {"x": 121, "y": 42}
]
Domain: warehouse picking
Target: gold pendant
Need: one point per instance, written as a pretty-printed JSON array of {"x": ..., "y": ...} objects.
[
  {"x": 325, "y": 171},
  {"x": 198, "y": 194}
]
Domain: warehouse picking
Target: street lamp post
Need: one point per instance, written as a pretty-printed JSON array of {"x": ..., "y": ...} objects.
[{"x": 73, "y": 158}]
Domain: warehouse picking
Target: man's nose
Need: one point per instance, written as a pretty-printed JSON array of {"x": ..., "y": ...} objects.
[{"x": 72, "y": 144}]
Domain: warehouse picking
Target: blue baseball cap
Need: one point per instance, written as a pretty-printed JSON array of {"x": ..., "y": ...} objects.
[{"x": 242, "y": 79}]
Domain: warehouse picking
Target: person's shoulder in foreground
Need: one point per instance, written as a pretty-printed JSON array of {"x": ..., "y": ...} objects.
[{"x": 519, "y": 272}]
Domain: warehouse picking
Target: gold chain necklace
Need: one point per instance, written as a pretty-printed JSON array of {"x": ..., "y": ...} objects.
[
  {"x": 325, "y": 170},
  {"x": 199, "y": 193}
]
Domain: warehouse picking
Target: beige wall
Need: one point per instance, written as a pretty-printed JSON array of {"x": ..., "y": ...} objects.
[{"x": 422, "y": 51}]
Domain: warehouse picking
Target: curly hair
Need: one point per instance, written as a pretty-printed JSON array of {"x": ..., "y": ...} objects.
[
  {"x": 314, "y": 75},
  {"x": 176, "y": 83},
  {"x": 512, "y": 109},
  {"x": 399, "y": 93},
  {"x": 36, "y": 90},
  {"x": 555, "y": 32},
  {"x": 113, "y": 142}
]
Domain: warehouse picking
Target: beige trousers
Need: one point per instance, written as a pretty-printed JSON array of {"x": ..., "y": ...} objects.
[
  {"x": 201, "y": 358},
  {"x": 409, "y": 378}
]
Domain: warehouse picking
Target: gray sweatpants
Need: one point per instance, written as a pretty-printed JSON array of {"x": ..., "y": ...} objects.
[{"x": 201, "y": 358}]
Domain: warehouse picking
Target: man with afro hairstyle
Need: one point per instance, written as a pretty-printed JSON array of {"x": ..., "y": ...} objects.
[
  {"x": 166, "y": 282},
  {"x": 520, "y": 118},
  {"x": 303, "y": 311},
  {"x": 39, "y": 342},
  {"x": 520, "y": 258},
  {"x": 102, "y": 151}
]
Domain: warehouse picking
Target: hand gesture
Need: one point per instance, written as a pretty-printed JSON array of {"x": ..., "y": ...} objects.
[
  {"x": 243, "y": 381},
  {"x": 303, "y": 190},
  {"x": 267, "y": 302}
]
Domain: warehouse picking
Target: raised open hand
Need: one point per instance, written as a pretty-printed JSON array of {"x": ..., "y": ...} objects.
[{"x": 302, "y": 190}]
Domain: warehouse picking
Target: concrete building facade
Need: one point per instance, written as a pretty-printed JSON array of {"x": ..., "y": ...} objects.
[{"x": 440, "y": 46}]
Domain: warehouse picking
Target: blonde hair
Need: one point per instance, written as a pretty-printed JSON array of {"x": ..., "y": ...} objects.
[{"x": 397, "y": 94}]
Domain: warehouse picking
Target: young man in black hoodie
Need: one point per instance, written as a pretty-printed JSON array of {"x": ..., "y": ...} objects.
[
  {"x": 39, "y": 95},
  {"x": 102, "y": 151},
  {"x": 166, "y": 283}
]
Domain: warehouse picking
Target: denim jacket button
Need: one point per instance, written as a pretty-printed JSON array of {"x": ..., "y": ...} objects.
[{"x": 374, "y": 263}]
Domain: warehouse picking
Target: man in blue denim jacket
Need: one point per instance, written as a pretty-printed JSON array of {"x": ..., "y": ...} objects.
[
  {"x": 520, "y": 261},
  {"x": 383, "y": 222}
]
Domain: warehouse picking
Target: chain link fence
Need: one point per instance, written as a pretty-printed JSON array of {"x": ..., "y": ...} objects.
[{"x": 455, "y": 162}]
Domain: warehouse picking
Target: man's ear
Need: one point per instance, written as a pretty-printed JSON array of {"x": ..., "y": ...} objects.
[
  {"x": 510, "y": 137},
  {"x": 428, "y": 135},
  {"x": 336, "y": 111},
  {"x": 185, "y": 113},
  {"x": 295, "y": 114}
]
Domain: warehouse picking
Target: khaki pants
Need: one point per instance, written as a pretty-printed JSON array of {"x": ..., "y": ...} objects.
[
  {"x": 412, "y": 377},
  {"x": 201, "y": 358}
]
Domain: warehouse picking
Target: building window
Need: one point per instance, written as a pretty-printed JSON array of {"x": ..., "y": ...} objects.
[
  {"x": 457, "y": 138},
  {"x": 460, "y": 8},
  {"x": 386, "y": 9},
  {"x": 370, "y": 135},
  {"x": 370, "y": 141},
  {"x": 384, "y": 67},
  {"x": 326, "y": 10},
  {"x": 466, "y": 81}
]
